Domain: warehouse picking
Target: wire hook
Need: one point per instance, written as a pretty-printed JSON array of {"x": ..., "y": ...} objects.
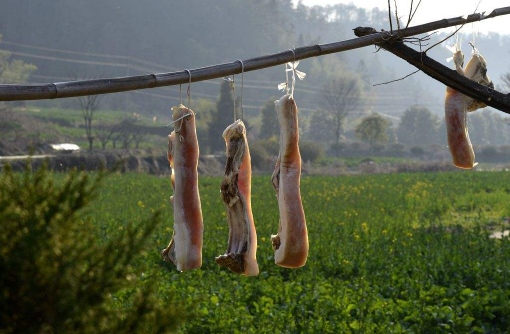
[
  {"x": 242, "y": 86},
  {"x": 177, "y": 120},
  {"x": 189, "y": 89}
]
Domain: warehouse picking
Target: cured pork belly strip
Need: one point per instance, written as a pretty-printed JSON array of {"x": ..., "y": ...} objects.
[
  {"x": 185, "y": 248},
  {"x": 240, "y": 256},
  {"x": 456, "y": 122},
  {"x": 457, "y": 105},
  {"x": 456, "y": 128},
  {"x": 291, "y": 242}
]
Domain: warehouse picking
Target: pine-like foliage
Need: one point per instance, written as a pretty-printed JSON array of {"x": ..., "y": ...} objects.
[
  {"x": 56, "y": 275},
  {"x": 221, "y": 118}
]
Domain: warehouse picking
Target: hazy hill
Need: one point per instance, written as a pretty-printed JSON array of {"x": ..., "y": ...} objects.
[{"x": 85, "y": 39}]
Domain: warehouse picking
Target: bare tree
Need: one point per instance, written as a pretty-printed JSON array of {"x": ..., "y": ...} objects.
[
  {"x": 339, "y": 96},
  {"x": 89, "y": 104},
  {"x": 105, "y": 134},
  {"x": 126, "y": 133},
  {"x": 138, "y": 137}
]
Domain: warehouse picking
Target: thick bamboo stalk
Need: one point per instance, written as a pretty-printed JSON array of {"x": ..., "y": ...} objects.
[{"x": 123, "y": 84}]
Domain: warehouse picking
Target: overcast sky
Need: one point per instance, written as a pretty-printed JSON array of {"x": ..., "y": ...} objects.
[{"x": 431, "y": 10}]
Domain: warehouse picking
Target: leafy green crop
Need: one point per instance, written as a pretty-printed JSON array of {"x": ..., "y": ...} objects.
[{"x": 399, "y": 253}]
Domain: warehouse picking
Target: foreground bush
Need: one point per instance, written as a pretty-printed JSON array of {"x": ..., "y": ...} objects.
[{"x": 56, "y": 277}]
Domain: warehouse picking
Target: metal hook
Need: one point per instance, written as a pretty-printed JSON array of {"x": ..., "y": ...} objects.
[
  {"x": 177, "y": 120},
  {"x": 293, "y": 53},
  {"x": 233, "y": 86},
  {"x": 242, "y": 86}
]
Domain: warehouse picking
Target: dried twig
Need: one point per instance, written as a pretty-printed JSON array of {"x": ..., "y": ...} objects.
[
  {"x": 396, "y": 15},
  {"x": 389, "y": 16},
  {"x": 400, "y": 79}
]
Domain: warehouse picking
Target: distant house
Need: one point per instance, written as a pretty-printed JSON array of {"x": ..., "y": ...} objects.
[{"x": 65, "y": 148}]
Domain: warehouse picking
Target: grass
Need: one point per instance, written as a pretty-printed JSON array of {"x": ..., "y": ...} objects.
[
  {"x": 66, "y": 125},
  {"x": 351, "y": 162},
  {"x": 398, "y": 253}
]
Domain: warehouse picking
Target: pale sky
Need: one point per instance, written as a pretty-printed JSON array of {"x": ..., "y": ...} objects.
[{"x": 432, "y": 10}]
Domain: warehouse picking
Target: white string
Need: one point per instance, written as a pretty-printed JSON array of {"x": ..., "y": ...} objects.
[
  {"x": 242, "y": 86},
  {"x": 234, "y": 93},
  {"x": 286, "y": 79},
  {"x": 293, "y": 73}
]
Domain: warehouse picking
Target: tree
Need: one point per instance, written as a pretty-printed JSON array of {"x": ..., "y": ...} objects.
[
  {"x": 478, "y": 127},
  {"x": 57, "y": 276},
  {"x": 270, "y": 123},
  {"x": 107, "y": 133},
  {"x": 372, "y": 130},
  {"x": 418, "y": 126},
  {"x": 320, "y": 128},
  {"x": 221, "y": 118},
  {"x": 339, "y": 96},
  {"x": 14, "y": 72},
  {"x": 89, "y": 104}
]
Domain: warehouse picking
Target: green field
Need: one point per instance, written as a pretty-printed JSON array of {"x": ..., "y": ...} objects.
[{"x": 400, "y": 253}]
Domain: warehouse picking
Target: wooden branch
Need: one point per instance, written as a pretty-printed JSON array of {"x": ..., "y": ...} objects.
[
  {"x": 123, "y": 84},
  {"x": 445, "y": 75}
]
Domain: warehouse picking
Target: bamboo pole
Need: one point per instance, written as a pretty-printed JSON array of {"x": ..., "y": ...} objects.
[{"x": 123, "y": 84}]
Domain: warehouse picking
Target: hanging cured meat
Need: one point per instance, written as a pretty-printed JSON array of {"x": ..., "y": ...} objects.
[
  {"x": 476, "y": 70},
  {"x": 457, "y": 105},
  {"x": 240, "y": 256},
  {"x": 185, "y": 248},
  {"x": 291, "y": 242},
  {"x": 456, "y": 121}
]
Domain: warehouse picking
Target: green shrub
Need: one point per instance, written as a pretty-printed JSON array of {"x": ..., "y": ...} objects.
[
  {"x": 490, "y": 152},
  {"x": 417, "y": 150},
  {"x": 337, "y": 147},
  {"x": 259, "y": 157},
  {"x": 55, "y": 274},
  {"x": 271, "y": 145},
  {"x": 397, "y": 147},
  {"x": 310, "y": 151}
]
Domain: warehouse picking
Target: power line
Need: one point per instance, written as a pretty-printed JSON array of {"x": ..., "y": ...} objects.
[
  {"x": 271, "y": 85},
  {"x": 103, "y": 55}
]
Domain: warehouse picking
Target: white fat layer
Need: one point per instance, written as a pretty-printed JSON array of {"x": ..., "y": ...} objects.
[
  {"x": 455, "y": 107},
  {"x": 290, "y": 172},
  {"x": 250, "y": 257},
  {"x": 186, "y": 253}
]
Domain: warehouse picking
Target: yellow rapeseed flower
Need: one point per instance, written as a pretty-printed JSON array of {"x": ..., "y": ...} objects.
[{"x": 364, "y": 227}]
